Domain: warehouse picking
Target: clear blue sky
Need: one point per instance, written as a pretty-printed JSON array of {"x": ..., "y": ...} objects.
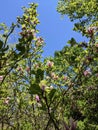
[{"x": 53, "y": 28}]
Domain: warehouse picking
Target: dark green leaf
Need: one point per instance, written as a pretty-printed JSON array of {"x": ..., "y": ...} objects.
[
  {"x": 35, "y": 89},
  {"x": 51, "y": 94},
  {"x": 20, "y": 47},
  {"x": 1, "y": 44},
  {"x": 39, "y": 75},
  {"x": 2, "y": 53},
  {"x": 44, "y": 108}
]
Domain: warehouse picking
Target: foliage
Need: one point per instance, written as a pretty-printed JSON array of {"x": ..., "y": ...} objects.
[
  {"x": 84, "y": 12},
  {"x": 80, "y": 60},
  {"x": 55, "y": 93}
]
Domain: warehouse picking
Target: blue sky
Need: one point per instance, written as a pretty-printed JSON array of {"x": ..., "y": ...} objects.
[{"x": 53, "y": 28}]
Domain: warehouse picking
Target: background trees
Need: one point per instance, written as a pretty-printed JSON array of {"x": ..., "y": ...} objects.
[{"x": 57, "y": 92}]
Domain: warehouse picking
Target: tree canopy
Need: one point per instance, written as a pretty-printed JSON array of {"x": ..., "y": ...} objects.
[
  {"x": 52, "y": 93},
  {"x": 83, "y": 12}
]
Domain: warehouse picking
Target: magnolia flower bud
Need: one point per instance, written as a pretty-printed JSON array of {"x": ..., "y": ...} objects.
[
  {"x": 53, "y": 75},
  {"x": 96, "y": 74},
  {"x": 96, "y": 45},
  {"x": 86, "y": 72},
  {"x": 39, "y": 41},
  {"x": 1, "y": 78},
  {"x": 47, "y": 77},
  {"x": 28, "y": 69},
  {"x": 50, "y": 63},
  {"x": 51, "y": 87},
  {"x": 19, "y": 69},
  {"x": 90, "y": 30},
  {"x": 65, "y": 78},
  {"x": 7, "y": 100},
  {"x": 37, "y": 98}
]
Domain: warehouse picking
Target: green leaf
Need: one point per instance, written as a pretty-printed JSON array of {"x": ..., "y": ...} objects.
[
  {"x": 44, "y": 108},
  {"x": 35, "y": 89},
  {"x": 2, "y": 53},
  {"x": 32, "y": 72},
  {"x": 20, "y": 47},
  {"x": 72, "y": 42},
  {"x": 51, "y": 94},
  {"x": 1, "y": 44},
  {"x": 39, "y": 75}
]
